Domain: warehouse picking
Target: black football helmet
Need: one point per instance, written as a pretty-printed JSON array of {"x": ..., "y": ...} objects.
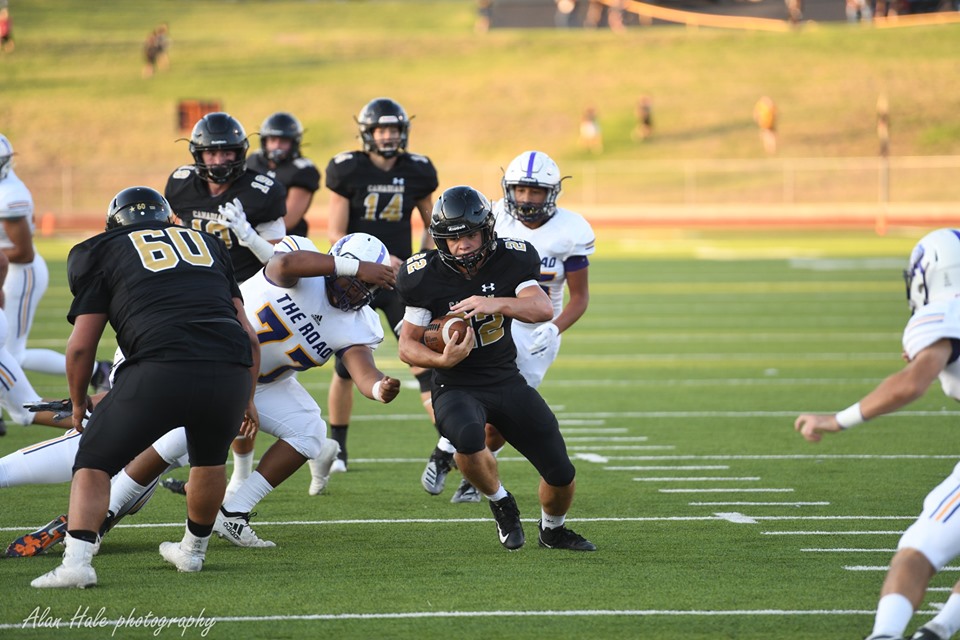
[
  {"x": 458, "y": 212},
  {"x": 219, "y": 131},
  {"x": 136, "y": 205},
  {"x": 281, "y": 125},
  {"x": 383, "y": 112}
]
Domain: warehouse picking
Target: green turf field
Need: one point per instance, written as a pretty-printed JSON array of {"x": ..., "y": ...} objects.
[{"x": 676, "y": 393}]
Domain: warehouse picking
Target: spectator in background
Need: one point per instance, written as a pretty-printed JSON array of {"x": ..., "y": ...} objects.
[
  {"x": 484, "y": 13},
  {"x": 859, "y": 11},
  {"x": 563, "y": 18},
  {"x": 883, "y": 125},
  {"x": 765, "y": 115},
  {"x": 594, "y": 14},
  {"x": 155, "y": 49},
  {"x": 644, "y": 126},
  {"x": 591, "y": 138},
  {"x": 6, "y": 31},
  {"x": 279, "y": 157}
]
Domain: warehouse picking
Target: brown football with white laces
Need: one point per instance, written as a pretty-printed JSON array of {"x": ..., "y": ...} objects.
[{"x": 440, "y": 332}]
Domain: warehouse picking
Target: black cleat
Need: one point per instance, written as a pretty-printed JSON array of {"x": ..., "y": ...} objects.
[
  {"x": 926, "y": 633},
  {"x": 507, "y": 515},
  {"x": 177, "y": 486},
  {"x": 466, "y": 492},
  {"x": 3, "y": 427},
  {"x": 563, "y": 538}
]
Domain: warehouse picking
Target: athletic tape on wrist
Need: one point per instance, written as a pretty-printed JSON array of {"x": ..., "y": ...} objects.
[
  {"x": 345, "y": 266},
  {"x": 850, "y": 417}
]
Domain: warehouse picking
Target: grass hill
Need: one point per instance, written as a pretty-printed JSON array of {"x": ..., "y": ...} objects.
[{"x": 73, "y": 95}]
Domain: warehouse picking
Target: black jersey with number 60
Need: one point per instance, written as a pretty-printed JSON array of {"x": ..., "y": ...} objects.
[
  {"x": 263, "y": 199},
  {"x": 425, "y": 281},
  {"x": 167, "y": 290}
]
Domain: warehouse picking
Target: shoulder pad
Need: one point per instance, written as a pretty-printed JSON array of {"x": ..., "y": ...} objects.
[
  {"x": 302, "y": 163},
  {"x": 416, "y": 157},
  {"x": 343, "y": 157}
]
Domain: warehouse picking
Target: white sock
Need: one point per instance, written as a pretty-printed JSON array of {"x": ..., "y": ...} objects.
[
  {"x": 499, "y": 494},
  {"x": 446, "y": 446},
  {"x": 242, "y": 466},
  {"x": 252, "y": 491},
  {"x": 123, "y": 488},
  {"x": 194, "y": 544},
  {"x": 946, "y": 621},
  {"x": 551, "y": 522},
  {"x": 497, "y": 452},
  {"x": 893, "y": 614}
]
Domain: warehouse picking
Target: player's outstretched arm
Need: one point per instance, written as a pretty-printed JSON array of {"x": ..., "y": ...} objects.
[
  {"x": 371, "y": 382},
  {"x": 895, "y": 392}
]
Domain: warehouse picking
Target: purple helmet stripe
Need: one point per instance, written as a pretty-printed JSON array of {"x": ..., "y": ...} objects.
[{"x": 533, "y": 155}]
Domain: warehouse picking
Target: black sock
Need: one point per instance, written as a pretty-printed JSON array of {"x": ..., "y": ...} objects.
[
  {"x": 199, "y": 530},
  {"x": 82, "y": 534},
  {"x": 339, "y": 433}
]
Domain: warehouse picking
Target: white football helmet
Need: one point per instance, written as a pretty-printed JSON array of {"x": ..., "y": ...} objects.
[
  {"x": 351, "y": 293},
  {"x": 534, "y": 169},
  {"x": 6, "y": 156},
  {"x": 933, "y": 272}
]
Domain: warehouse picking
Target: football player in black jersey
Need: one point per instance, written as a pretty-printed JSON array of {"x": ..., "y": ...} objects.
[
  {"x": 490, "y": 281},
  {"x": 219, "y": 181},
  {"x": 172, "y": 298},
  {"x": 375, "y": 190},
  {"x": 220, "y": 195},
  {"x": 279, "y": 157}
]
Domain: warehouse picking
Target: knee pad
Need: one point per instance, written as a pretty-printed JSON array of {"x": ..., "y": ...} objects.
[
  {"x": 307, "y": 444},
  {"x": 424, "y": 379},
  {"x": 560, "y": 475}
]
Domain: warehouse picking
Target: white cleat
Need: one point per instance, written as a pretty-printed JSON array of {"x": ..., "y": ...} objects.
[
  {"x": 235, "y": 527},
  {"x": 64, "y": 577},
  {"x": 184, "y": 561},
  {"x": 320, "y": 467},
  {"x": 75, "y": 572}
]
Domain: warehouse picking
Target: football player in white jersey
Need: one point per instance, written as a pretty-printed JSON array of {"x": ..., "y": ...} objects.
[
  {"x": 27, "y": 277},
  {"x": 564, "y": 240},
  {"x": 306, "y": 307},
  {"x": 302, "y": 321},
  {"x": 931, "y": 346}
]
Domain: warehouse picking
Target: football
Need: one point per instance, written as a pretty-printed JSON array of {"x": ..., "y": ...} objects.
[{"x": 440, "y": 331}]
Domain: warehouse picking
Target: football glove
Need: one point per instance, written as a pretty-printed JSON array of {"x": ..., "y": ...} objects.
[
  {"x": 543, "y": 336},
  {"x": 233, "y": 217},
  {"x": 56, "y": 406},
  {"x": 61, "y": 409}
]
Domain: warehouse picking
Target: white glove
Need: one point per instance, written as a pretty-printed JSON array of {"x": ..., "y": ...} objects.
[
  {"x": 543, "y": 337},
  {"x": 233, "y": 218}
]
